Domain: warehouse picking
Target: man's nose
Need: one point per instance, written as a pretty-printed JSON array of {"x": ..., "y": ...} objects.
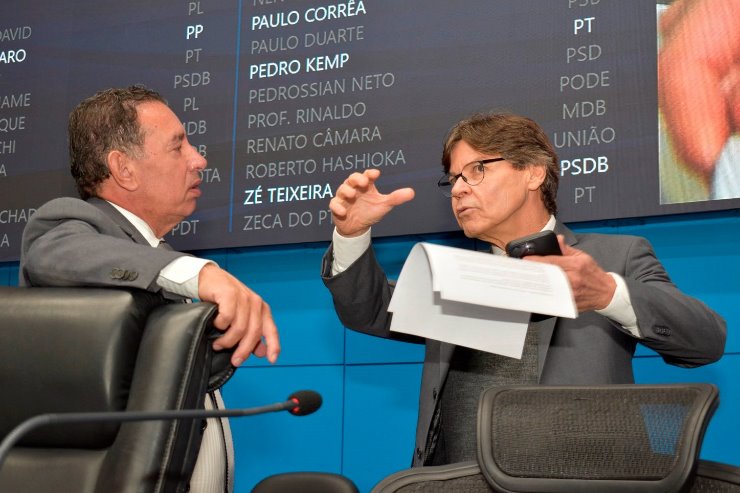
[
  {"x": 460, "y": 187},
  {"x": 198, "y": 161}
]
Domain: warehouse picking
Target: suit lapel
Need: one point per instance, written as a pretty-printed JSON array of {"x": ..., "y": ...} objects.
[
  {"x": 545, "y": 326},
  {"x": 561, "y": 229}
]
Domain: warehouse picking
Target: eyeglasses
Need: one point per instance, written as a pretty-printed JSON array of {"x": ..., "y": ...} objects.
[{"x": 472, "y": 174}]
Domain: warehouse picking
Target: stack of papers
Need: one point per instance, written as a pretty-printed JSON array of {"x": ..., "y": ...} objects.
[{"x": 476, "y": 299}]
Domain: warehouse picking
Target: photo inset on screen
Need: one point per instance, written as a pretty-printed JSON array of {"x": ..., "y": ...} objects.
[{"x": 699, "y": 100}]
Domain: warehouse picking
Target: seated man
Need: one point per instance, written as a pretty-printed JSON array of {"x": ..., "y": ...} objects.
[
  {"x": 138, "y": 177},
  {"x": 501, "y": 173}
]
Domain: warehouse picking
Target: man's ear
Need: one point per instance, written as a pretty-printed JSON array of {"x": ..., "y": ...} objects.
[
  {"x": 122, "y": 170},
  {"x": 537, "y": 173}
]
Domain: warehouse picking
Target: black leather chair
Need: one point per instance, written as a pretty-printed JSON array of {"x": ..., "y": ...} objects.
[
  {"x": 636, "y": 438},
  {"x": 83, "y": 350}
]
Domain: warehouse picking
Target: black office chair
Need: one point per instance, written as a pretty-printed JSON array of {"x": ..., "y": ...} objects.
[
  {"x": 65, "y": 350},
  {"x": 714, "y": 477},
  {"x": 637, "y": 438},
  {"x": 86, "y": 350},
  {"x": 305, "y": 482}
]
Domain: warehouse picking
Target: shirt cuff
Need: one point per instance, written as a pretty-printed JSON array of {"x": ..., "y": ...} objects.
[
  {"x": 620, "y": 308},
  {"x": 181, "y": 276},
  {"x": 347, "y": 250}
]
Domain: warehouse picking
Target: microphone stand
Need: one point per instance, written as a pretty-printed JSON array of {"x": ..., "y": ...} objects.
[{"x": 127, "y": 416}]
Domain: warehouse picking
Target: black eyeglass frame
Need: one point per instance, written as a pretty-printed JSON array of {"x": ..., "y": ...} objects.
[{"x": 448, "y": 181}]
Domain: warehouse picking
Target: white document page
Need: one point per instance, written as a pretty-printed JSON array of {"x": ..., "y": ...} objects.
[{"x": 476, "y": 299}]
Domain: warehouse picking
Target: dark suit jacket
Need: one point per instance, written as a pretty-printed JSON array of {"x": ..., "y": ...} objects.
[
  {"x": 590, "y": 349},
  {"x": 70, "y": 242}
]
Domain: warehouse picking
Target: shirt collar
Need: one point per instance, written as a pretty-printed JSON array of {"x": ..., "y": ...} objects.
[{"x": 140, "y": 225}]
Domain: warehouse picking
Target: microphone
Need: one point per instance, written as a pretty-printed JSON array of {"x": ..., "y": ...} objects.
[
  {"x": 299, "y": 403},
  {"x": 306, "y": 402}
]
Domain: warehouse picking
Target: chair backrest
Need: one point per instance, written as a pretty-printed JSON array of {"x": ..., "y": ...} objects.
[
  {"x": 305, "y": 482},
  {"x": 85, "y": 350},
  {"x": 714, "y": 477},
  {"x": 601, "y": 438},
  {"x": 614, "y": 438}
]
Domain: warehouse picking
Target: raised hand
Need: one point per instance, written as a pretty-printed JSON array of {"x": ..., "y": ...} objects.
[{"x": 358, "y": 204}]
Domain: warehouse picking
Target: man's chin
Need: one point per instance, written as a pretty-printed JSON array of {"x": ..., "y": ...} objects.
[
  {"x": 468, "y": 231},
  {"x": 190, "y": 208}
]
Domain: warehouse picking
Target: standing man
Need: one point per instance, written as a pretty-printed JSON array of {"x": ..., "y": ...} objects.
[
  {"x": 138, "y": 177},
  {"x": 501, "y": 174}
]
